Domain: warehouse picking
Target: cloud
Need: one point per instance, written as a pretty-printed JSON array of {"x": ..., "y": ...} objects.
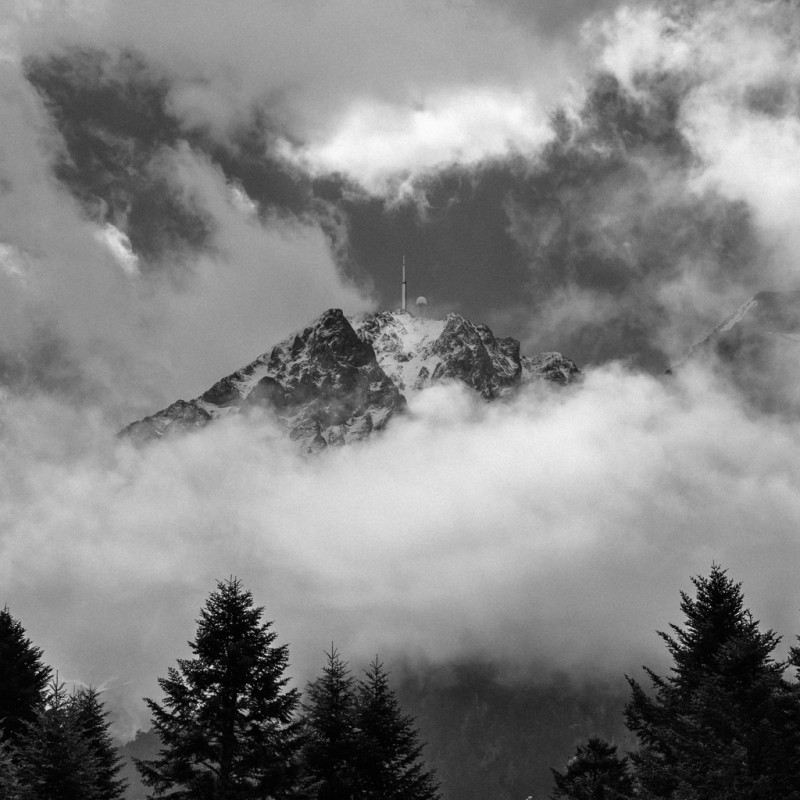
[
  {"x": 689, "y": 133},
  {"x": 120, "y": 246},
  {"x": 331, "y": 77},
  {"x": 130, "y": 340},
  {"x": 738, "y": 63},
  {"x": 553, "y": 531},
  {"x": 376, "y": 143}
]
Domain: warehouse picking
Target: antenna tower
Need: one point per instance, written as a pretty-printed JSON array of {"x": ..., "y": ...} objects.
[{"x": 403, "y": 291}]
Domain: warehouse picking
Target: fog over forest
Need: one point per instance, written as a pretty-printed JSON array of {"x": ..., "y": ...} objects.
[{"x": 183, "y": 186}]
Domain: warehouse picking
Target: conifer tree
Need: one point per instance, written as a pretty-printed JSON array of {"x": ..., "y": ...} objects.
[
  {"x": 725, "y": 723},
  {"x": 595, "y": 772},
  {"x": 91, "y": 719},
  {"x": 329, "y": 731},
  {"x": 389, "y": 765},
  {"x": 53, "y": 759},
  {"x": 23, "y": 677},
  {"x": 9, "y": 779},
  {"x": 226, "y": 724}
]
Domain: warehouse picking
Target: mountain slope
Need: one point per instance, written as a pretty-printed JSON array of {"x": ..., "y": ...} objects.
[
  {"x": 758, "y": 349},
  {"x": 338, "y": 380},
  {"x": 767, "y": 316}
]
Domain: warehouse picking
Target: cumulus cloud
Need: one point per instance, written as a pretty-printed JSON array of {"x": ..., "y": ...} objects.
[
  {"x": 455, "y": 81},
  {"x": 376, "y": 143}
]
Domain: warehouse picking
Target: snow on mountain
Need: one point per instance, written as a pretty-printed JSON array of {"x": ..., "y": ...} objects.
[
  {"x": 549, "y": 367},
  {"x": 403, "y": 345},
  {"x": 339, "y": 379}
]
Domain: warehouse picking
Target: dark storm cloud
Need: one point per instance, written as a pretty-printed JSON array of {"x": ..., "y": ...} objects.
[
  {"x": 113, "y": 112},
  {"x": 576, "y": 248},
  {"x": 562, "y": 18},
  {"x": 309, "y": 63},
  {"x": 608, "y": 232},
  {"x": 662, "y": 198},
  {"x": 78, "y": 255},
  {"x": 581, "y": 237},
  {"x": 504, "y": 239}
]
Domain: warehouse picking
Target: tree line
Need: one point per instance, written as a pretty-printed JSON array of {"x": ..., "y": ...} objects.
[
  {"x": 229, "y": 726},
  {"x": 723, "y": 724}
]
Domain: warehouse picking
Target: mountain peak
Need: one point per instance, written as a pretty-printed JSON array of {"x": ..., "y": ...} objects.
[{"x": 339, "y": 379}]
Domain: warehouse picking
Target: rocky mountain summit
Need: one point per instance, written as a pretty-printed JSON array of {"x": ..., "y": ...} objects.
[{"x": 340, "y": 379}]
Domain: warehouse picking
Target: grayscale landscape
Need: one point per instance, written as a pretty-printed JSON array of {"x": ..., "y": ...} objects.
[{"x": 463, "y": 335}]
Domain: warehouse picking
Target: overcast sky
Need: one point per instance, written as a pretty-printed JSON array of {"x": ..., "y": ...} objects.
[{"x": 183, "y": 184}]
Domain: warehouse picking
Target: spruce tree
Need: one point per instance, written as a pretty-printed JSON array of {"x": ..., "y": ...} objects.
[
  {"x": 9, "y": 776},
  {"x": 23, "y": 677},
  {"x": 389, "y": 750},
  {"x": 226, "y": 724},
  {"x": 725, "y": 723},
  {"x": 595, "y": 772},
  {"x": 53, "y": 759},
  {"x": 90, "y": 717},
  {"x": 329, "y": 733}
]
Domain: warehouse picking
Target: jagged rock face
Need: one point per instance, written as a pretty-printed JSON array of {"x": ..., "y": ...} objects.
[
  {"x": 550, "y": 367},
  {"x": 471, "y": 354},
  {"x": 180, "y": 416},
  {"x": 403, "y": 345},
  {"x": 416, "y": 353},
  {"x": 337, "y": 381},
  {"x": 325, "y": 384}
]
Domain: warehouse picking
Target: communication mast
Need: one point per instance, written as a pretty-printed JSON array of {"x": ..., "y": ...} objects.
[{"x": 403, "y": 287}]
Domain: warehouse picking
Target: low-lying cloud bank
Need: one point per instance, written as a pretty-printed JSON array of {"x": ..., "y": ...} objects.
[{"x": 550, "y": 532}]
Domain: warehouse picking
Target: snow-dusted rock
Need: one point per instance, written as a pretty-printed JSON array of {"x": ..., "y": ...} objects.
[
  {"x": 416, "y": 353},
  {"x": 550, "y": 367},
  {"x": 323, "y": 384},
  {"x": 180, "y": 417},
  {"x": 339, "y": 380}
]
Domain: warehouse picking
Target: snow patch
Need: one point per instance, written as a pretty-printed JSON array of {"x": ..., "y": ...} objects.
[{"x": 403, "y": 346}]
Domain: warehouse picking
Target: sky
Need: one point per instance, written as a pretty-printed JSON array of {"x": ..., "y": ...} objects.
[{"x": 184, "y": 184}]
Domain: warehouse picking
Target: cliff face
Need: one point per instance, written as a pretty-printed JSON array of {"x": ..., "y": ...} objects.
[{"x": 339, "y": 380}]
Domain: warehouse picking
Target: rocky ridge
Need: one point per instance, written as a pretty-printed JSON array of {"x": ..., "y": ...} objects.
[
  {"x": 764, "y": 321},
  {"x": 340, "y": 379},
  {"x": 757, "y": 348}
]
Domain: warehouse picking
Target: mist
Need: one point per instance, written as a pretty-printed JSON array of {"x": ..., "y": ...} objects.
[{"x": 552, "y": 532}]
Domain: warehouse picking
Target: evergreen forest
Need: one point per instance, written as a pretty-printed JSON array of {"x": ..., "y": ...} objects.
[{"x": 722, "y": 724}]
